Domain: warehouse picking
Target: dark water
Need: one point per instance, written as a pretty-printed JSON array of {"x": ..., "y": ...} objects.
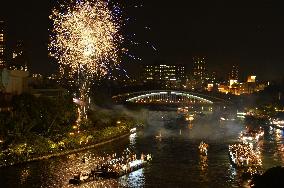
[{"x": 176, "y": 160}]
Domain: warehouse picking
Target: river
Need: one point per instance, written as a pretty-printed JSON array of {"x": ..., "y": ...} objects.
[{"x": 176, "y": 159}]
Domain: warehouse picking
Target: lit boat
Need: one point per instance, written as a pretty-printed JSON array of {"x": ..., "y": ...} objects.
[
  {"x": 278, "y": 126},
  {"x": 242, "y": 155},
  {"x": 203, "y": 148},
  {"x": 182, "y": 110},
  {"x": 277, "y": 123},
  {"x": 105, "y": 171},
  {"x": 251, "y": 135}
]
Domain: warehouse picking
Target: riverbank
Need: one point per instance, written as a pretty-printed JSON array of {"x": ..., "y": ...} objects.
[
  {"x": 79, "y": 149},
  {"x": 105, "y": 136}
]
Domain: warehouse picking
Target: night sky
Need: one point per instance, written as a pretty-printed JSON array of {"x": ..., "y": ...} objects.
[{"x": 249, "y": 34}]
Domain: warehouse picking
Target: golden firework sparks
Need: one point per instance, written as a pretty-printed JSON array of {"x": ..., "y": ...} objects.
[{"x": 85, "y": 37}]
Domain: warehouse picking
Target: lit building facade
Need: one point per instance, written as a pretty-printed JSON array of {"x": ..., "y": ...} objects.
[
  {"x": 251, "y": 79},
  {"x": 19, "y": 60},
  {"x": 14, "y": 81},
  {"x": 2, "y": 44},
  {"x": 171, "y": 76},
  {"x": 234, "y": 74},
  {"x": 199, "y": 69},
  {"x": 248, "y": 87},
  {"x": 223, "y": 88},
  {"x": 198, "y": 79},
  {"x": 233, "y": 78}
]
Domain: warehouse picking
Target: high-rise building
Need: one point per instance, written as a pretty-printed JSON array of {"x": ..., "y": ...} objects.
[
  {"x": 199, "y": 69},
  {"x": 2, "y": 44},
  {"x": 233, "y": 77},
  {"x": 165, "y": 74},
  {"x": 234, "y": 74},
  {"x": 197, "y": 80},
  {"x": 19, "y": 59}
]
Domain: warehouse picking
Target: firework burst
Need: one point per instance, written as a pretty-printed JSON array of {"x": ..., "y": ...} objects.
[
  {"x": 85, "y": 37},
  {"x": 85, "y": 41}
]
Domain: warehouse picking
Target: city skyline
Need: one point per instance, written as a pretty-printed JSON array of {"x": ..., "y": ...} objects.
[
  {"x": 141, "y": 93},
  {"x": 246, "y": 34}
]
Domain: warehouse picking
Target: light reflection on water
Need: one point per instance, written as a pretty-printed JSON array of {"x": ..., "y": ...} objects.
[
  {"x": 25, "y": 173},
  {"x": 132, "y": 139},
  {"x": 176, "y": 160},
  {"x": 134, "y": 179},
  {"x": 203, "y": 164}
]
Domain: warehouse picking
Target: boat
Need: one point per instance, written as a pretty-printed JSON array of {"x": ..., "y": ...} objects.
[
  {"x": 80, "y": 178},
  {"x": 107, "y": 171},
  {"x": 136, "y": 165},
  {"x": 242, "y": 155},
  {"x": 277, "y": 123},
  {"x": 251, "y": 135},
  {"x": 203, "y": 148}
]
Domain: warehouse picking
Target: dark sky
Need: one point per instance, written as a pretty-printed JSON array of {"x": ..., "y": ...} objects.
[{"x": 248, "y": 33}]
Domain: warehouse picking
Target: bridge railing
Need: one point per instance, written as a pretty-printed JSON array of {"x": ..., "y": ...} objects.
[{"x": 156, "y": 95}]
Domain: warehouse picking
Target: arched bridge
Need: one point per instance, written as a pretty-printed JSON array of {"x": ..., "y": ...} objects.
[{"x": 167, "y": 97}]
